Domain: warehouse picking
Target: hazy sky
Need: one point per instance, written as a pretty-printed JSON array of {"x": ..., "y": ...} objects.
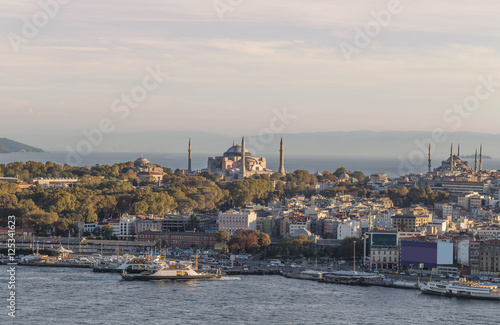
[{"x": 227, "y": 75}]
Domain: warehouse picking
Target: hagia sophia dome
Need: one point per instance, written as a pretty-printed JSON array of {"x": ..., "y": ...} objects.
[{"x": 235, "y": 151}]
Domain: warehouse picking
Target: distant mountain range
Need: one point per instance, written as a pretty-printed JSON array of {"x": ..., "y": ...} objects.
[
  {"x": 389, "y": 144},
  {"x": 8, "y": 146}
]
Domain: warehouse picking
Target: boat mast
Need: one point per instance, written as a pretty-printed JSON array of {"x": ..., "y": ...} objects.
[
  {"x": 354, "y": 263},
  {"x": 196, "y": 260}
]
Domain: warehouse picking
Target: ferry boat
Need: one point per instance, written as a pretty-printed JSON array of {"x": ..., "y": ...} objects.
[
  {"x": 304, "y": 275},
  {"x": 350, "y": 277},
  {"x": 461, "y": 289},
  {"x": 133, "y": 265},
  {"x": 172, "y": 271}
]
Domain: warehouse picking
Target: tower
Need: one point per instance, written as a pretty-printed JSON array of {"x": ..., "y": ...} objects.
[
  {"x": 451, "y": 158},
  {"x": 243, "y": 158},
  {"x": 475, "y": 162},
  {"x": 189, "y": 156},
  {"x": 281, "y": 169},
  {"x": 458, "y": 154},
  {"x": 481, "y": 158},
  {"x": 429, "y": 162}
]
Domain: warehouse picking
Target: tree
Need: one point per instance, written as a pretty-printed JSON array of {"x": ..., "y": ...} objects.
[
  {"x": 346, "y": 249},
  {"x": 221, "y": 236},
  {"x": 358, "y": 175},
  {"x": 107, "y": 231},
  {"x": 264, "y": 240},
  {"x": 301, "y": 239},
  {"x": 340, "y": 171},
  {"x": 42, "y": 220}
]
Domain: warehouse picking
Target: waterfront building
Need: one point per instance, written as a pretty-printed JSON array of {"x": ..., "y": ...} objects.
[
  {"x": 145, "y": 224},
  {"x": 19, "y": 231},
  {"x": 124, "y": 227},
  {"x": 174, "y": 222},
  {"x": 89, "y": 227},
  {"x": 426, "y": 253},
  {"x": 233, "y": 220},
  {"x": 489, "y": 258},
  {"x": 384, "y": 258},
  {"x": 180, "y": 239}
]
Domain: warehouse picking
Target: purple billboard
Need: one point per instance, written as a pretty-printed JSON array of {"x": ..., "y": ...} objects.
[{"x": 416, "y": 252}]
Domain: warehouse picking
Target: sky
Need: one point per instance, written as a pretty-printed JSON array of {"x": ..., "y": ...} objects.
[{"x": 235, "y": 67}]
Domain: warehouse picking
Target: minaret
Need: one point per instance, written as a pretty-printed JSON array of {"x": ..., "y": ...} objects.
[
  {"x": 458, "y": 154},
  {"x": 481, "y": 158},
  {"x": 189, "y": 156},
  {"x": 429, "y": 165},
  {"x": 451, "y": 158},
  {"x": 475, "y": 162},
  {"x": 243, "y": 162},
  {"x": 281, "y": 169}
]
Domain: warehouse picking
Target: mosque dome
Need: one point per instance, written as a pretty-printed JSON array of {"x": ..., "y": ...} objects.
[
  {"x": 141, "y": 161},
  {"x": 235, "y": 151}
]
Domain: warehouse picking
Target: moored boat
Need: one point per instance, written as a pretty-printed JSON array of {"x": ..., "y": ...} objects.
[
  {"x": 461, "y": 289},
  {"x": 350, "y": 277},
  {"x": 172, "y": 271}
]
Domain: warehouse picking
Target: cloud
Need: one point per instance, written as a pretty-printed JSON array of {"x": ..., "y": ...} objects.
[{"x": 264, "y": 54}]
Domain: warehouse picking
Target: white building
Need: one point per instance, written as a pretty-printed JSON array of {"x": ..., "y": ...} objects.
[
  {"x": 233, "y": 220},
  {"x": 383, "y": 221},
  {"x": 124, "y": 227},
  {"x": 349, "y": 228},
  {"x": 89, "y": 227},
  {"x": 447, "y": 210},
  {"x": 492, "y": 232},
  {"x": 299, "y": 225}
]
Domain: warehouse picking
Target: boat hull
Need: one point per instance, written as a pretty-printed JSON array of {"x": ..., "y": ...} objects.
[
  {"x": 139, "y": 277},
  {"x": 463, "y": 295}
]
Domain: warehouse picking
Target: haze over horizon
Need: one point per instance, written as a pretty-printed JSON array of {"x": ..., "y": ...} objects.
[{"x": 234, "y": 72}]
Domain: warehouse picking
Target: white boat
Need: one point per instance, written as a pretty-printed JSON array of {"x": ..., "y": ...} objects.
[
  {"x": 132, "y": 265},
  {"x": 461, "y": 289},
  {"x": 172, "y": 271}
]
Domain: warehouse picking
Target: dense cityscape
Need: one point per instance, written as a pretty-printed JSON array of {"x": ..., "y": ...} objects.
[
  {"x": 249, "y": 162},
  {"x": 446, "y": 219}
]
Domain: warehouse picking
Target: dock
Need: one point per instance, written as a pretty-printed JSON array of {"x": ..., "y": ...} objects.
[{"x": 74, "y": 265}]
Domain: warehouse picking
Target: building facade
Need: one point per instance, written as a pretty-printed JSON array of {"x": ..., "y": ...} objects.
[
  {"x": 180, "y": 239},
  {"x": 233, "y": 220}
]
